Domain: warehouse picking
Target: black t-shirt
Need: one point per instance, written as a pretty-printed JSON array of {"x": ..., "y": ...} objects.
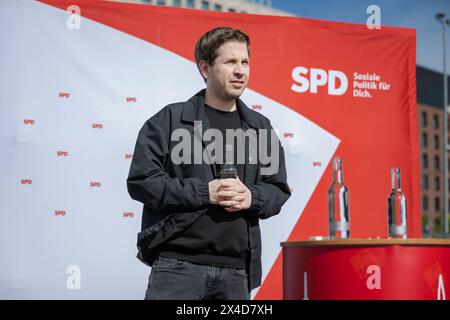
[
  {"x": 223, "y": 120},
  {"x": 218, "y": 238}
]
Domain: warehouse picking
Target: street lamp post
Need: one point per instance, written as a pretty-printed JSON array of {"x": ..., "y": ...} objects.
[{"x": 445, "y": 22}]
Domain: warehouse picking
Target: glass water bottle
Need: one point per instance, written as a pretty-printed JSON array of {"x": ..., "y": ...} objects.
[
  {"x": 338, "y": 210},
  {"x": 396, "y": 208},
  {"x": 228, "y": 169}
]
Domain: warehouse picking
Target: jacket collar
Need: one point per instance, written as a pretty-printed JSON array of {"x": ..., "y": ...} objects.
[{"x": 194, "y": 110}]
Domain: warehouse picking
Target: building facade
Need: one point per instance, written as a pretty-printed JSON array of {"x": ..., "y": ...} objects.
[
  {"x": 430, "y": 112},
  {"x": 240, "y": 6}
]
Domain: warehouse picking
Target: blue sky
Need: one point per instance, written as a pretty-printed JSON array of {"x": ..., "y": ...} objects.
[{"x": 417, "y": 14}]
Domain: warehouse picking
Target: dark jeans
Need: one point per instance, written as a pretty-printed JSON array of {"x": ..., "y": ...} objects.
[{"x": 173, "y": 279}]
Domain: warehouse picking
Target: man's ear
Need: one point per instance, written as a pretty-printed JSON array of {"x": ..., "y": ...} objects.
[{"x": 203, "y": 68}]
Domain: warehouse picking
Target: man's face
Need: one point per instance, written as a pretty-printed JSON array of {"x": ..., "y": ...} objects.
[{"x": 228, "y": 76}]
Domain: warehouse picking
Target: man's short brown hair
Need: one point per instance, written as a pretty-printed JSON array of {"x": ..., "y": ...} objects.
[{"x": 207, "y": 45}]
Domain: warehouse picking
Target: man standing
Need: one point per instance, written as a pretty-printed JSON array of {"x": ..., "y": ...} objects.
[{"x": 200, "y": 233}]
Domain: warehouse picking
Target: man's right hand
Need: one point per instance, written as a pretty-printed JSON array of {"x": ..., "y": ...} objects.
[{"x": 214, "y": 187}]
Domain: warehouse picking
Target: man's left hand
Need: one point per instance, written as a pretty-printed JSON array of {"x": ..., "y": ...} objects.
[{"x": 234, "y": 195}]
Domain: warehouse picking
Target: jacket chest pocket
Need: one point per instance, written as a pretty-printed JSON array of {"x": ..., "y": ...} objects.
[{"x": 185, "y": 164}]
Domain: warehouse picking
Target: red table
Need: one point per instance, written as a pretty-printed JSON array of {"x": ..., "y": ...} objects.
[{"x": 366, "y": 269}]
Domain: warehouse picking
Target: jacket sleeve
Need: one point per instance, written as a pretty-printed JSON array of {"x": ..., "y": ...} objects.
[
  {"x": 148, "y": 182},
  {"x": 269, "y": 194}
]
